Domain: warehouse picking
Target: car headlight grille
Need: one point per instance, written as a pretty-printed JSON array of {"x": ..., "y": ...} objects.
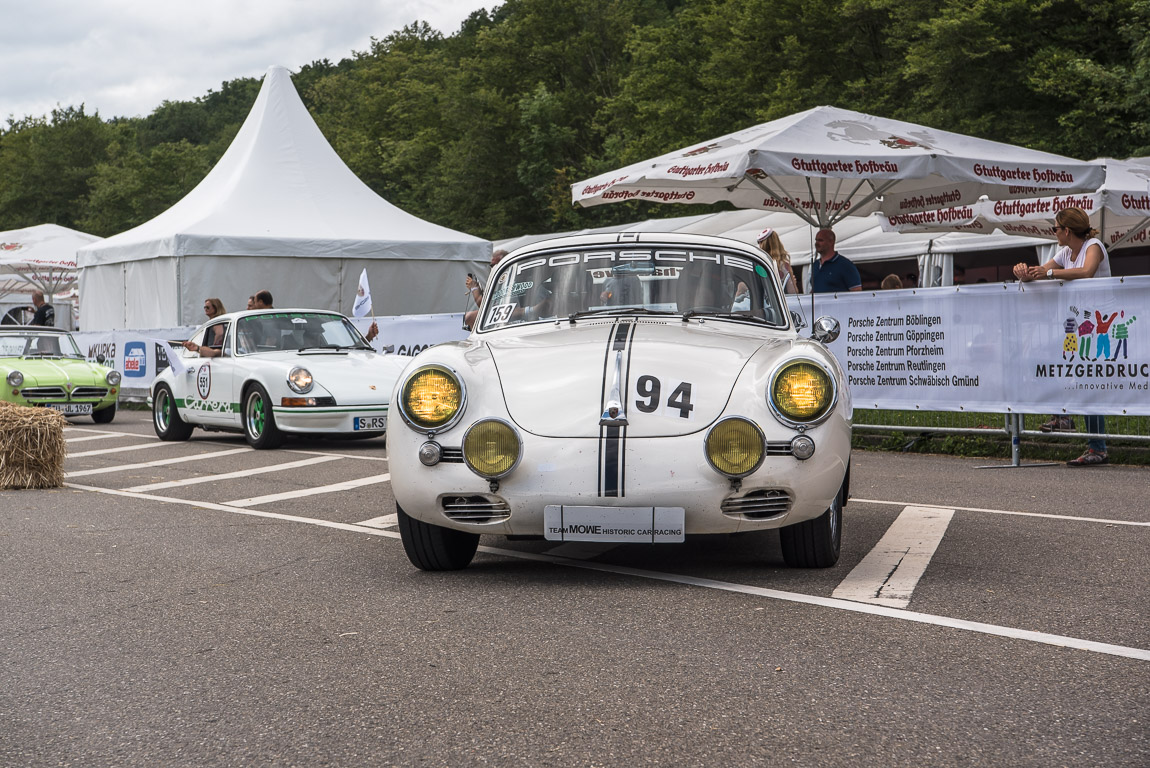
[
  {"x": 432, "y": 398},
  {"x": 491, "y": 448},
  {"x": 735, "y": 447},
  {"x": 802, "y": 392}
]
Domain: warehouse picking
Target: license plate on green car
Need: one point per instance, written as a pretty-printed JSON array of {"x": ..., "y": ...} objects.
[{"x": 72, "y": 409}]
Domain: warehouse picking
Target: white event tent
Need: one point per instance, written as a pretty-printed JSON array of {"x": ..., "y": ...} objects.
[{"x": 281, "y": 212}]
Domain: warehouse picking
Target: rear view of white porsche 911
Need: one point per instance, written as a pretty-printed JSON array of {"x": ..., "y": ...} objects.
[{"x": 625, "y": 389}]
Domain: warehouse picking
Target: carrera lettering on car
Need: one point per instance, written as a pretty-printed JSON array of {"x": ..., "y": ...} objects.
[
  {"x": 211, "y": 406},
  {"x": 613, "y": 440}
]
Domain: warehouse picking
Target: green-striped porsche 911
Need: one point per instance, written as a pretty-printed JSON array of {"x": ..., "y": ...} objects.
[{"x": 43, "y": 367}]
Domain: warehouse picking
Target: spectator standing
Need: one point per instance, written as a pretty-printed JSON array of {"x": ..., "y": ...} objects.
[
  {"x": 769, "y": 241},
  {"x": 475, "y": 291},
  {"x": 832, "y": 272},
  {"x": 1081, "y": 255},
  {"x": 45, "y": 312},
  {"x": 891, "y": 282},
  {"x": 262, "y": 300}
]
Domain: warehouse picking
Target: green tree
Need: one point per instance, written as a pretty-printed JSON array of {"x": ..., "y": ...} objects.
[{"x": 45, "y": 166}]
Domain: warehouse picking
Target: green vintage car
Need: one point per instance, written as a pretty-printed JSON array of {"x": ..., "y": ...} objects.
[{"x": 44, "y": 367}]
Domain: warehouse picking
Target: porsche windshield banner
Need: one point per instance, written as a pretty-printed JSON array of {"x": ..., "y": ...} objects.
[{"x": 1079, "y": 346}]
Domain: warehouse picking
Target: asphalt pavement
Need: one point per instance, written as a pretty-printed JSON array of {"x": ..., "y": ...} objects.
[{"x": 203, "y": 604}]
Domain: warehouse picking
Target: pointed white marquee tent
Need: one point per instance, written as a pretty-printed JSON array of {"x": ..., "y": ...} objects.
[{"x": 280, "y": 211}]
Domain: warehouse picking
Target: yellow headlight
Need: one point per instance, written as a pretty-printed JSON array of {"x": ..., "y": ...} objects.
[
  {"x": 735, "y": 447},
  {"x": 802, "y": 392},
  {"x": 491, "y": 448},
  {"x": 432, "y": 397}
]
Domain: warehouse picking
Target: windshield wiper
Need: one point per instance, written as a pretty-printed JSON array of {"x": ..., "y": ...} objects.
[
  {"x": 617, "y": 311},
  {"x": 725, "y": 315}
]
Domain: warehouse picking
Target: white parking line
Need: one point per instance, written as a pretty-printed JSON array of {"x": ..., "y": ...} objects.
[
  {"x": 890, "y": 571},
  {"x": 156, "y": 463},
  {"x": 347, "y": 485},
  {"x": 385, "y": 521},
  {"x": 1108, "y": 521},
  {"x": 340, "y": 455},
  {"x": 104, "y": 436},
  {"x": 233, "y": 475},
  {"x": 1062, "y": 641},
  {"x": 153, "y": 443}
]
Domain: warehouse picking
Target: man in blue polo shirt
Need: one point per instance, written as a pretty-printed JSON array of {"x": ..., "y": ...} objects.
[{"x": 833, "y": 272}]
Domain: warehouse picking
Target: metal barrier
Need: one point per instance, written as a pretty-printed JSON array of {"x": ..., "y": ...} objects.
[{"x": 1014, "y": 426}]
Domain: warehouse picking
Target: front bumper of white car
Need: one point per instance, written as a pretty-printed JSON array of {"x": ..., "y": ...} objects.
[{"x": 665, "y": 473}]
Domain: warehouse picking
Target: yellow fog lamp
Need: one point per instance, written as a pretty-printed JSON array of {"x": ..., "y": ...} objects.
[
  {"x": 802, "y": 393},
  {"x": 491, "y": 448},
  {"x": 735, "y": 447},
  {"x": 431, "y": 399}
]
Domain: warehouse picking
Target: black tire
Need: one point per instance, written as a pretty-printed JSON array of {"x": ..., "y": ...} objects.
[
  {"x": 435, "y": 548},
  {"x": 259, "y": 421},
  {"x": 104, "y": 415},
  {"x": 166, "y": 419},
  {"x": 815, "y": 543}
]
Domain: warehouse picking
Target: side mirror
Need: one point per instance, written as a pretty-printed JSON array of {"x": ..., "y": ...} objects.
[
  {"x": 799, "y": 321},
  {"x": 825, "y": 330}
]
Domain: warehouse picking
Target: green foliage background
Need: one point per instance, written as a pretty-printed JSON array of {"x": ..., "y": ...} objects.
[{"x": 484, "y": 130}]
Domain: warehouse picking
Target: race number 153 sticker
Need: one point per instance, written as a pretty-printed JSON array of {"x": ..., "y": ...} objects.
[{"x": 204, "y": 380}]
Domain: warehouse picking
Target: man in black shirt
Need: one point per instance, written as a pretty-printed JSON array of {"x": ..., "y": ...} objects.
[{"x": 45, "y": 313}]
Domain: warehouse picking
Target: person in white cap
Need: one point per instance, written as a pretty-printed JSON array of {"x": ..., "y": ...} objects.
[{"x": 769, "y": 241}]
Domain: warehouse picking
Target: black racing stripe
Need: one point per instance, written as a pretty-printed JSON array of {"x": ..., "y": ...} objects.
[
  {"x": 612, "y": 448},
  {"x": 612, "y": 440}
]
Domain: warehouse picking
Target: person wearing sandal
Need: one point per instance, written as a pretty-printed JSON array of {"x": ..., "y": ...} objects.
[{"x": 1081, "y": 255}]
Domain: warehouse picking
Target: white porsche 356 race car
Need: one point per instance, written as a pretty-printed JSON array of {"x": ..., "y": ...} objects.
[
  {"x": 625, "y": 389},
  {"x": 271, "y": 372}
]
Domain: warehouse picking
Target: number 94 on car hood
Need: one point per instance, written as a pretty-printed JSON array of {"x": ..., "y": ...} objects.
[{"x": 672, "y": 379}]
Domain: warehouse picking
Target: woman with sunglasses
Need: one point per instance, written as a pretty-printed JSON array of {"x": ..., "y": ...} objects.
[
  {"x": 1080, "y": 255},
  {"x": 214, "y": 340}
]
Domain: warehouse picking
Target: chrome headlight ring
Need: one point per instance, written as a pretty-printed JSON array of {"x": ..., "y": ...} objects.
[
  {"x": 300, "y": 380},
  {"x": 781, "y": 417},
  {"x": 113, "y": 378},
  {"x": 15, "y": 379}
]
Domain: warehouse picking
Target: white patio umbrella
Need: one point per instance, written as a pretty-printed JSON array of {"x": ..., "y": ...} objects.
[
  {"x": 827, "y": 163},
  {"x": 43, "y": 256},
  {"x": 1119, "y": 210}
]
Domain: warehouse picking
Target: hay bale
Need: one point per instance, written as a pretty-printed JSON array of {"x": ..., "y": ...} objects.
[{"x": 32, "y": 447}]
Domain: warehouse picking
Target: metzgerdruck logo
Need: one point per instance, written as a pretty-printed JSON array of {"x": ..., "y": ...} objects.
[{"x": 1096, "y": 352}]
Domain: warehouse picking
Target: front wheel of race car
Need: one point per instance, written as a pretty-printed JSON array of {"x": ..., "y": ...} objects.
[
  {"x": 815, "y": 543},
  {"x": 259, "y": 421},
  {"x": 434, "y": 548},
  {"x": 166, "y": 419},
  {"x": 104, "y": 415}
]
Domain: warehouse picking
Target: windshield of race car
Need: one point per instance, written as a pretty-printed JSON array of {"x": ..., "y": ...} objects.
[
  {"x": 34, "y": 344},
  {"x": 622, "y": 280},
  {"x": 294, "y": 331}
]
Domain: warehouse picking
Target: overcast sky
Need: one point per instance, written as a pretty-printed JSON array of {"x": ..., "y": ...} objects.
[{"x": 123, "y": 58}]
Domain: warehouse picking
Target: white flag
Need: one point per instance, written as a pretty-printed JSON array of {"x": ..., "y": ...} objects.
[
  {"x": 362, "y": 305},
  {"x": 174, "y": 359}
]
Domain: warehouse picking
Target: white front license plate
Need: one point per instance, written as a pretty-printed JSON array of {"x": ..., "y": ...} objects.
[
  {"x": 658, "y": 525},
  {"x": 72, "y": 409},
  {"x": 369, "y": 422}
]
